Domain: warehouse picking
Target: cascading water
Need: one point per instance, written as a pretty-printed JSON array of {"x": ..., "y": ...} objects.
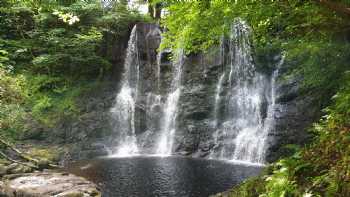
[
  {"x": 145, "y": 120},
  {"x": 159, "y": 62},
  {"x": 242, "y": 133},
  {"x": 218, "y": 99},
  {"x": 160, "y": 117},
  {"x": 168, "y": 122},
  {"x": 215, "y": 121},
  {"x": 123, "y": 111},
  {"x": 270, "y": 118}
]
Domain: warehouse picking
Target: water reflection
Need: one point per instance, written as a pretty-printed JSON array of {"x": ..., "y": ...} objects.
[{"x": 162, "y": 176}]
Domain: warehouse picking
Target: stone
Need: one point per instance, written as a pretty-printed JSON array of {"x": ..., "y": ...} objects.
[
  {"x": 16, "y": 168},
  {"x": 47, "y": 184},
  {"x": 43, "y": 163},
  {"x": 3, "y": 170},
  {"x": 2, "y": 191},
  {"x": 11, "y": 168}
]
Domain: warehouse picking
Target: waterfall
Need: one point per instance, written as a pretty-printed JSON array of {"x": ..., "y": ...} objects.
[
  {"x": 168, "y": 122},
  {"x": 270, "y": 118},
  {"x": 216, "y": 116},
  {"x": 242, "y": 131},
  {"x": 145, "y": 115},
  {"x": 123, "y": 111},
  {"x": 159, "y": 62},
  {"x": 218, "y": 99},
  {"x": 158, "y": 116},
  {"x": 246, "y": 97}
]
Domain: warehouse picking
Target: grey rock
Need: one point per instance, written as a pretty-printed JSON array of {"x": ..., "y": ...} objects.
[
  {"x": 47, "y": 184},
  {"x": 16, "y": 168},
  {"x": 3, "y": 170}
]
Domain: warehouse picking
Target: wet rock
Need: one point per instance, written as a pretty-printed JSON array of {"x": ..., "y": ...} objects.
[
  {"x": 2, "y": 170},
  {"x": 200, "y": 75},
  {"x": 47, "y": 184},
  {"x": 85, "y": 150},
  {"x": 293, "y": 118},
  {"x": 2, "y": 191},
  {"x": 16, "y": 168},
  {"x": 294, "y": 112},
  {"x": 223, "y": 194},
  {"x": 43, "y": 164}
]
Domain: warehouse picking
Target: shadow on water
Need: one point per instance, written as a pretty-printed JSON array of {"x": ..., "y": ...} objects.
[{"x": 145, "y": 176}]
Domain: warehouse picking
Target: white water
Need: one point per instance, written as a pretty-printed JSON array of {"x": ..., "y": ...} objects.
[
  {"x": 246, "y": 97},
  {"x": 123, "y": 111},
  {"x": 170, "y": 111},
  {"x": 239, "y": 117},
  {"x": 269, "y": 121},
  {"x": 153, "y": 103},
  {"x": 218, "y": 99},
  {"x": 243, "y": 133},
  {"x": 160, "y": 116},
  {"x": 216, "y": 112},
  {"x": 159, "y": 62}
]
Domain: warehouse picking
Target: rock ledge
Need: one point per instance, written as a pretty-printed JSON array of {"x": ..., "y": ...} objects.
[{"x": 45, "y": 184}]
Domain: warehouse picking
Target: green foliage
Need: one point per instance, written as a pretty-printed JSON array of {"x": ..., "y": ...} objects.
[
  {"x": 322, "y": 64},
  {"x": 339, "y": 113},
  {"x": 196, "y": 25},
  {"x": 312, "y": 38},
  {"x": 10, "y": 88},
  {"x": 249, "y": 188},
  {"x": 4, "y": 60},
  {"x": 281, "y": 182},
  {"x": 320, "y": 169},
  {"x": 50, "y": 53},
  {"x": 15, "y": 21},
  {"x": 330, "y": 154},
  {"x": 12, "y": 117},
  {"x": 12, "y": 114}
]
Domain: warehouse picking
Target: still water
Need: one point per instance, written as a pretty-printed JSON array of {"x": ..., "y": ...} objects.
[{"x": 162, "y": 176}]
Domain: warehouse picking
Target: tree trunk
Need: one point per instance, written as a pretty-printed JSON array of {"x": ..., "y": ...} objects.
[
  {"x": 150, "y": 10},
  {"x": 158, "y": 12},
  {"x": 19, "y": 162}
]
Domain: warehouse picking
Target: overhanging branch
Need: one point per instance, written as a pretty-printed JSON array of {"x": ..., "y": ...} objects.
[{"x": 335, "y": 6}]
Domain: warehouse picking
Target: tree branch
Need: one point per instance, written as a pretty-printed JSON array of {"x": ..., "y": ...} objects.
[
  {"x": 19, "y": 153},
  {"x": 335, "y": 6},
  {"x": 15, "y": 161},
  {"x": 35, "y": 162}
]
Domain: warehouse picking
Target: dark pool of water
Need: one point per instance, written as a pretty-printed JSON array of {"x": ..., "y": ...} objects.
[{"x": 162, "y": 177}]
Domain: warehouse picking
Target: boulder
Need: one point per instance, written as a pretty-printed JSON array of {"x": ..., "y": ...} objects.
[{"x": 46, "y": 184}]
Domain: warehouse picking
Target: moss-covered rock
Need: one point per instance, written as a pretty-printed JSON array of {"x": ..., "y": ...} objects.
[
  {"x": 16, "y": 168},
  {"x": 2, "y": 170}
]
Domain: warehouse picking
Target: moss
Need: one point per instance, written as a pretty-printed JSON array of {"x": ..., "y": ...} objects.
[
  {"x": 74, "y": 194},
  {"x": 43, "y": 153},
  {"x": 3, "y": 162}
]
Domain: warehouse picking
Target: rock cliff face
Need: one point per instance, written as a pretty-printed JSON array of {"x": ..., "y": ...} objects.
[
  {"x": 200, "y": 77},
  {"x": 194, "y": 122},
  {"x": 294, "y": 113},
  {"x": 92, "y": 134}
]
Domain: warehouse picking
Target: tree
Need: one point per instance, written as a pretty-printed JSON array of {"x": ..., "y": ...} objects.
[
  {"x": 335, "y": 6},
  {"x": 154, "y": 9}
]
